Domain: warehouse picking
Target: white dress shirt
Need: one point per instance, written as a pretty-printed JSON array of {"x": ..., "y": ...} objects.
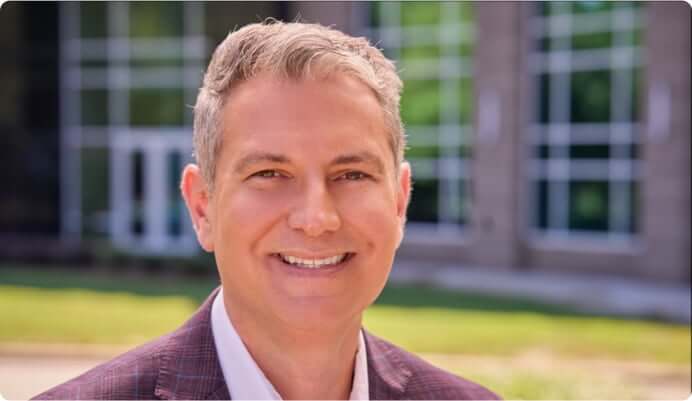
[{"x": 245, "y": 380}]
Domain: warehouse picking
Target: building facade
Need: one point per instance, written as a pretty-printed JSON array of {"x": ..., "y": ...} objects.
[{"x": 548, "y": 136}]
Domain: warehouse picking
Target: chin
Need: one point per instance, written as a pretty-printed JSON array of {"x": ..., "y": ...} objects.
[{"x": 315, "y": 312}]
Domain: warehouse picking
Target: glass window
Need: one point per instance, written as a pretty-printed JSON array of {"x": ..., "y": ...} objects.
[
  {"x": 152, "y": 107},
  {"x": 133, "y": 64},
  {"x": 95, "y": 201},
  {"x": 432, "y": 44},
  {"x": 587, "y": 74}
]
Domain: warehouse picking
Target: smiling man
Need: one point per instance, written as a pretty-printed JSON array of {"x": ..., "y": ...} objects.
[{"x": 300, "y": 190}]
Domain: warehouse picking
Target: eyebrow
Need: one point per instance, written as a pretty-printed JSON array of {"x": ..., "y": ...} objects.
[
  {"x": 350, "y": 158},
  {"x": 259, "y": 157},
  {"x": 360, "y": 157}
]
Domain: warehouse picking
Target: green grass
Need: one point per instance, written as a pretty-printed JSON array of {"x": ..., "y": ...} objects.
[
  {"x": 63, "y": 306},
  {"x": 100, "y": 307},
  {"x": 439, "y": 330}
]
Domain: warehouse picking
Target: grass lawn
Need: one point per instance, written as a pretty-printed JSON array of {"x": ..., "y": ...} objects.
[{"x": 63, "y": 306}]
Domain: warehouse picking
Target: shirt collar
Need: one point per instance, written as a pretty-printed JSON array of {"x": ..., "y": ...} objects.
[{"x": 245, "y": 380}]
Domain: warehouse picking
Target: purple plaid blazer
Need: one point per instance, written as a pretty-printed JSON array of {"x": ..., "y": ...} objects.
[{"x": 184, "y": 365}]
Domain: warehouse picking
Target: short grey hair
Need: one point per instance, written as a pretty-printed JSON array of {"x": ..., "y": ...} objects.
[{"x": 294, "y": 51}]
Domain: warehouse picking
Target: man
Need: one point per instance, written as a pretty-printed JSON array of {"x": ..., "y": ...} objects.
[{"x": 300, "y": 192}]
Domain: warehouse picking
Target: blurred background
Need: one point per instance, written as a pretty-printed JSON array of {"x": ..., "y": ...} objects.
[{"x": 547, "y": 253}]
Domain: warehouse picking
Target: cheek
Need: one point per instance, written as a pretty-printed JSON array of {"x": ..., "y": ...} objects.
[
  {"x": 373, "y": 213},
  {"x": 244, "y": 216}
]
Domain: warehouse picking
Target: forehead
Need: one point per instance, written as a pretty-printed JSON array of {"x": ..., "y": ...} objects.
[{"x": 266, "y": 108}]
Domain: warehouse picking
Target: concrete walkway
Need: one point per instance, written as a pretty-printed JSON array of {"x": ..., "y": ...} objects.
[{"x": 588, "y": 293}]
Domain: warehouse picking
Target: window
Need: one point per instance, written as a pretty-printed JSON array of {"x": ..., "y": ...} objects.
[
  {"x": 128, "y": 72},
  {"x": 432, "y": 43},
  {"x": 585, "y": 132}
]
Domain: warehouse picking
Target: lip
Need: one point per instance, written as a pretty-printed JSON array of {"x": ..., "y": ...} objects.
[{"x": 276, "y": 262}]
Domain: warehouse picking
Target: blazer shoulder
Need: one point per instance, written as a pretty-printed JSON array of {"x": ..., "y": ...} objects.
[
  {"x": 427, "y": 381},
  {"x": 130, "y": 376}
]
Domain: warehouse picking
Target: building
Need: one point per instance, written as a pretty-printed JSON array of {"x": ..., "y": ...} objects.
[{"x": 545, "y": 136}]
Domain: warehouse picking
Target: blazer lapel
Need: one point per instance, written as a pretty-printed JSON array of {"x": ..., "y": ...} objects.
[
  {"x": 190, "y": 366},
  {"x": 387, "y": 374}
]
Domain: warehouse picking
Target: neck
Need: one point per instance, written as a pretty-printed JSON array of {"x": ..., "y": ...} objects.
[{"x": 315, "y": 362}]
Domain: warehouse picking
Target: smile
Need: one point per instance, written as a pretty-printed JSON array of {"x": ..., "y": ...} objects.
[{"x": 314, "y": 263}]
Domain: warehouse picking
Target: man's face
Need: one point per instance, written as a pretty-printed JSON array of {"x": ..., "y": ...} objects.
[{"x": 307, "y": 209}]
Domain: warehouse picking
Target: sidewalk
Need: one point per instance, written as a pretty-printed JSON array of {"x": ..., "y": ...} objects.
[{"x": 587, "y": 293}]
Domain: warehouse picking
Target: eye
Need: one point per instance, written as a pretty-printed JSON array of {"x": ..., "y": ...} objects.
[
  {"x": 353, "y": 176},
  {"x": 266, "y": 174}
]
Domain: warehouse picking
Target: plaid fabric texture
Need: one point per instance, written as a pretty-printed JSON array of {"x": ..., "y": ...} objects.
[{"x": 184, "y": 365}]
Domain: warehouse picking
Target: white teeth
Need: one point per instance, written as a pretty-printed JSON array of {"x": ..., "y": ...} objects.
[{"x": 312, "y": 263}]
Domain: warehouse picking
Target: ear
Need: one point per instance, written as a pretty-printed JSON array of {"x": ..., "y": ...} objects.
[
  {"x": 403, "y": 194},
  {"x": 197, "y": 199}
]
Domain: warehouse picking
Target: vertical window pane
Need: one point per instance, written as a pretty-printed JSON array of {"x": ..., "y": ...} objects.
[
  {"x": 156, "y": 107},
  {"x": 156, "y": 19},
  {"x": 137, "y": 223},
  {"x": 420, "y": 13},
  {"x": 635, "y": 205},
  {"x": 541, "y": 193},
  {"x": 94, "y": 107},
  {"x": 637, "y": 97},
  {"x": 95, "y": 191},
  {"x": 466, "y": 100},
  {"x": 465, "y": 207},
  {"x": 588, "y": 205},
  {"x": 423, "y": 207},
  {"x": 544, "y": 98},
  {"x": 590, "y": 101},
  {"x": 175, "y": 202},
  {"x": 92, "y": 19},
  {"x": 420, "y": 103}
]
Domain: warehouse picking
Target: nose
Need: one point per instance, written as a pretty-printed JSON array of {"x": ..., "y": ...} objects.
[{"x": 316, "y": 213}]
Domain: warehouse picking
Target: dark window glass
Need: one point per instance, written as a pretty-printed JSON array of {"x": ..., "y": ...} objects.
[
  {"x": 465, "y": 151},
  {"x": 157, "y": 107},
  {"x": 635, "y": 205},
  {"x": 637, "y": 97},
  {"x": 588, "y": 205},
  {"x": 589, "y": 151},
  {"x": 423, "y": 207},
  {"x": 419, "y": 152},
  {"x": 175, "y": 164},
  {"x": 544, "y": 105},
  {"x": 592, "y": 40},
  {"x": 137, "y": 222},
  {"x": 95, "y": 63},
  {"x": 590, "y": 100},
  {"x": 92, "y": 19},
  {"x": 95, "y": 191},
  {"x": 94, "y": 104},
  {"x": 541, "y": 188},
  {"x": 465, "y": 207},
  {"x": 542, "y": 152}
]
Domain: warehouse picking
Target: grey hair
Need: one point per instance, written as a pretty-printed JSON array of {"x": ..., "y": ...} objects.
[{"x": 294, "y": 51}]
